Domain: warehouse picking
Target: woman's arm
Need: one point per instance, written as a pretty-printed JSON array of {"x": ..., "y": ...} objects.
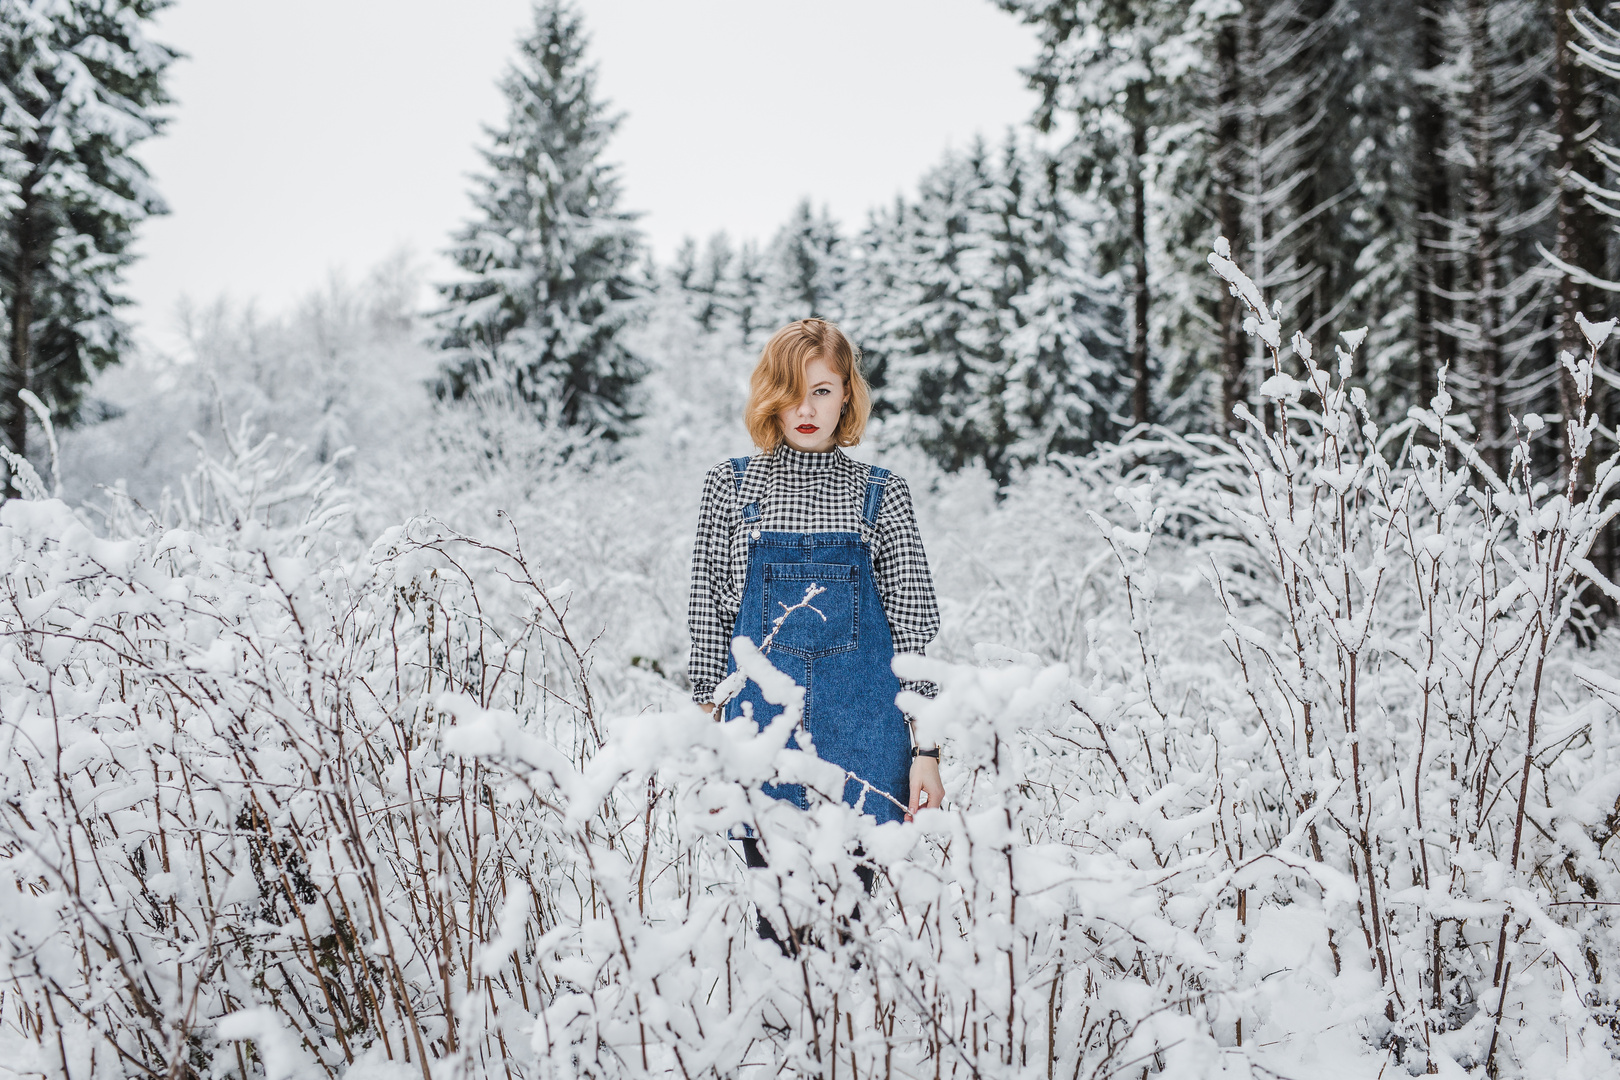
[
  {"x": 711, "y": 572},
  {"x": 904, "y": 583},
  {"x": 907, "y": 591}
]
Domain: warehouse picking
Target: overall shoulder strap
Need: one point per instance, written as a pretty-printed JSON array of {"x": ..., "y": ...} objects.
[
  {"x": 874, "y": 496},
  {"x": 739, "y": 469}
]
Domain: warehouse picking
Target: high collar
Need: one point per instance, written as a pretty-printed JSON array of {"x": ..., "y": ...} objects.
[{"x": 797, "y": 461}]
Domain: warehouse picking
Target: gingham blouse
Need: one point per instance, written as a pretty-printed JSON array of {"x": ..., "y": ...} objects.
[{"x": 800, "y": 492}]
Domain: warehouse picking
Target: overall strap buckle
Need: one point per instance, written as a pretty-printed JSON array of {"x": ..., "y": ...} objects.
[
  {"x": 739, "y": 468},
  {"x": 876, "y": 481}
]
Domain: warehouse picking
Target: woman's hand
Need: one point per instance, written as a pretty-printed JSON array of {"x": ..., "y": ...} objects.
[
  {"x": 708, "y": 707},
  {"x": 926, "y": 790}
]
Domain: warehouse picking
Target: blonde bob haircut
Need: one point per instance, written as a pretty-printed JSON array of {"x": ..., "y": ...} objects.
[{"x": 778, "y": 382}]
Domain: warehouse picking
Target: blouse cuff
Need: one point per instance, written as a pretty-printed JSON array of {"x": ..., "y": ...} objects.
[{"x": 926, "y": 689}]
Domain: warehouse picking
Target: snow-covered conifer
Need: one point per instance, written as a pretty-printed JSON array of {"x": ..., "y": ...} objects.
[
  {"x": 1109, "y": 74},
  {"x": 804, "y": 270},
  {"x": 707, "y": 280},
  {"x": 550, "y": 258},
  {"x": 1059, "y": 324},
  {"x": 930, "y": 300},
  {"x": 997, "y": 342},
  {"x": 1501, "y": 324},
  {"x": 79, "y": 81},
  {"x": 1588, "y": 166}
]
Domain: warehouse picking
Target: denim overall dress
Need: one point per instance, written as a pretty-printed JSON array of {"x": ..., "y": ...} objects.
[{"x": 840, "y": 652}]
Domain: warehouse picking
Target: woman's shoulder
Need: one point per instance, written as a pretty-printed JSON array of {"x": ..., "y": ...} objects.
[
  {"x": 871, "y": 470},
  {"x": 726, "y": 469},
  {"x": 896, "y": 492},
  {"x": 726, "y": 481},
  {"x": 889, "y": 476}
]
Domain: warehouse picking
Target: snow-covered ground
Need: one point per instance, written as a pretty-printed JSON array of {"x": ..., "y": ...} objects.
[{"x": 1295, "y": 757}]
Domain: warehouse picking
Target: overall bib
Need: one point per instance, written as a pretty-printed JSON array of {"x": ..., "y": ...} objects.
[{"x": 840, "y": 653}]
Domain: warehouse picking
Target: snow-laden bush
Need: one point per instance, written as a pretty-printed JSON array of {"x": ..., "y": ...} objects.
[
  {"x": 339, "y": 373},
  {"x": 1317, "y": 773},
  {"x": 1418, "y": 713}
]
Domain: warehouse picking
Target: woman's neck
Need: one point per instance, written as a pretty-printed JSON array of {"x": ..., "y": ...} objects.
[
  {"x": 807, "y": 458},
  {"x": 828, "y": 449}
]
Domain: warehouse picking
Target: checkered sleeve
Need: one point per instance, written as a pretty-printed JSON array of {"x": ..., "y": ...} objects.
[
  {"x": 903, "y": 581},
  {"x": 707, "y": 620}
]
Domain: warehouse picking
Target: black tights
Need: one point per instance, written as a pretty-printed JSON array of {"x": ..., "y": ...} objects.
[{"x": 756, "y": 861}]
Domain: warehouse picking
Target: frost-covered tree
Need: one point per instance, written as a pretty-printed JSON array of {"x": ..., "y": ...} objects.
[
  {"x": 1502, "y": 320},
  {"x": 1108, "y": 74},
  {"x": 1392, "y": 164},
  {"x": 879, "y": 263},
  {"x": 1067, "y": 382},
  {"x": 79, "y": 81},
  {"x": 708, "y": 281},
  {"x": 1587, "y": 98},
  {"x": 550, "y": 258},
  {"x": 996, "y": 342},
  {"x": 1579, "y": 235},
  {"x": 804, "y": 270},
  {"x": 748, "y": 287},
  {"x": 925, "y": 297},
  {"x": 1295, "y": 175},
  {"x": 340, "y": 374}
]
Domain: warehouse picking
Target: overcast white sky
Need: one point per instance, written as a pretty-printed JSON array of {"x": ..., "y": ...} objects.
[{"x": 313, "y": 136}]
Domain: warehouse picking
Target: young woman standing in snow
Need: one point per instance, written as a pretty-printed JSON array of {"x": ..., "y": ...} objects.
[{"x": 801, "y": 514}]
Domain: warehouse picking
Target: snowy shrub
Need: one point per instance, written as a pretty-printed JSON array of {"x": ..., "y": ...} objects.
[
  {"x": 339, "y": 372},
  {"x": 1292, "y": 754},
  {"x": 1416, "y": 712}
]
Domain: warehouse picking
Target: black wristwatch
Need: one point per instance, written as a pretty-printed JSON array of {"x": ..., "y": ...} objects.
[{"x": 917, "y": 752}]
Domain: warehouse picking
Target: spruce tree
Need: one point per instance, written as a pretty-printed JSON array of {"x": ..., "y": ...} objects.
[
  {"x": 706, "y": 280},
  {"x": 1067, "y": 374},
  {"x": 551, "y": 260},
  {"x": 805, "y": 270},
  {"x": 936, "y": 365},
  {"x": 1504, "y": 327},
  {"x": 996, "y": 340},
  {"x": 876, "y": 299},
  {"x": 748, "y": 292},
  {"x": 1285, "y": 180},
  {"x": 78, "y": 83},
  {"x": 1111, "y": 71}
]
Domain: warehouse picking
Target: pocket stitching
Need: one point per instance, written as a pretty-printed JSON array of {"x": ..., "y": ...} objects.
[{"x": 845, "y": 573}]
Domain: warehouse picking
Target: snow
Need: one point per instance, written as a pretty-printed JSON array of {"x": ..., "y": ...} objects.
[
  {"x": 343, "y": 762},
  {"x": 388, "y": 708}
]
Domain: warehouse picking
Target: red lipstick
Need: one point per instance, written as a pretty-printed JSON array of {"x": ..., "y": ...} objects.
[{"x": 806, "y": 429}]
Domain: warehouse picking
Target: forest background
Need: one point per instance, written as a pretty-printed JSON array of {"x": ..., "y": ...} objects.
[{"x": 1160, "y": 531}]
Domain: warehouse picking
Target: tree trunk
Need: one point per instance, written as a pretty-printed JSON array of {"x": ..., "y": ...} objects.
[
  {"x": 1487, "y": 344},
  {"x": 1579, "y": 242},
  {"x": 1136, "y": 103},
  {"x": 1228, "y": 151},
  {"x": 1259, "y": 366},
  {"x": 1576, "y": 229},
  {"x": 1434, "y": 279},
  {"x": 18, "y": 374}
]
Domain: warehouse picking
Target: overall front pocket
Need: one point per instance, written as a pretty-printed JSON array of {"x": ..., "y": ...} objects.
[{"x": 826, "y": 624}]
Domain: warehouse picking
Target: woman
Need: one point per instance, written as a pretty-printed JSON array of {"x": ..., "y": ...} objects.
[{"x": 805, "y": 542}]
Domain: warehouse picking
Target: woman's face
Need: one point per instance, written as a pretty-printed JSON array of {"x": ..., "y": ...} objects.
[{"x": 809, "y": 425}]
